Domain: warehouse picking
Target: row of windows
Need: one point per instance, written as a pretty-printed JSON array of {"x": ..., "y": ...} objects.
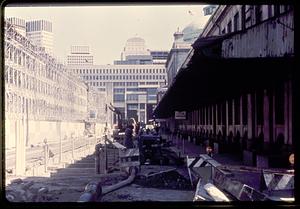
[
  {"x": 38, "y": 25},
  {"x": 118, "y": 71},
  {"x": 124, "y": 77},
  {"x": 24, "y": 81},
  {"x": 19, "y": 104},
  {"x": 240, "y": 19},
  {"x": 33, "y": 66}
]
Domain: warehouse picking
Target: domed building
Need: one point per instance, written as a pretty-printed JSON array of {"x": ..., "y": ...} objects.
[
  {"x": 134, "y": 47},
  {"x": 191, "y": 32},
  {"x": 181, "y": 47}
]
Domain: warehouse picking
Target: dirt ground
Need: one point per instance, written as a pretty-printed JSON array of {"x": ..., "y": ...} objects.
[{"x": 153, "y": 183}]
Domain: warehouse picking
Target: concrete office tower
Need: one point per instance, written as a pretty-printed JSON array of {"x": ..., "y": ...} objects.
[
  {"x": 80, "y": 55},
  {"x": 18, "y": 24},
  {"x": 40, "y": 33}
]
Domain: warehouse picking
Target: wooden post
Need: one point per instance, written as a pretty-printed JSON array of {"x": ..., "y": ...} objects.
[
  {"x": 102, "y": 161},
  {"x": 46, "y": 155},
  {"x": 72, "y": 138}
]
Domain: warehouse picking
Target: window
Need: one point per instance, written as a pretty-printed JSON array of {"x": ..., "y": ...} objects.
[
  {"x": 276, "y": 10},
  {"x": 258, "y": 14},
  {"x": 229, "y": 27},
  {"x": 236, "y": 22},
  {"x": 243, "y": 17},
  {"x": 119, "y": 98}
]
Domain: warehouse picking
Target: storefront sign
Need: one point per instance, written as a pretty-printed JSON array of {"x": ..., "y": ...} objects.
[{"x": 180, "y": 115}]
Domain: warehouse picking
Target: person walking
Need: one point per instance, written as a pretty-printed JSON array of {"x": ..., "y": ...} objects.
[{"x": 128, "y": 137}]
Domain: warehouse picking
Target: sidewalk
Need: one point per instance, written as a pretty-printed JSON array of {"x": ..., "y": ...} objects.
[{"x": 193, "y": 150}]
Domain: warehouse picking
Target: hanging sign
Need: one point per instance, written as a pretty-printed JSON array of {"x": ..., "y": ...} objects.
[{"x": 180, "y": 115}]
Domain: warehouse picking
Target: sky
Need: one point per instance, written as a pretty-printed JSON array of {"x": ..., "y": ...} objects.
[{"x": 106, "y": 28}]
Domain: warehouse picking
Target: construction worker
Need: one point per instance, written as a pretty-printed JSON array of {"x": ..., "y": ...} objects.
[{"x": 129, "y": 137}]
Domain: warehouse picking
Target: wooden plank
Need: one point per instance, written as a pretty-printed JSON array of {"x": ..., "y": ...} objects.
[
  {"x": 118, "y": 145},
  {"x": 129, "y": 164}
]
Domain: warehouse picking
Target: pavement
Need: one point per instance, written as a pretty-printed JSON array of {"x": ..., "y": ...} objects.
[{"x": 193, "y": 150}]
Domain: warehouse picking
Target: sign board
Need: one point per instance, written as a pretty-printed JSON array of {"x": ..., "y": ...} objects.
[{"x": 180, "y": 115}]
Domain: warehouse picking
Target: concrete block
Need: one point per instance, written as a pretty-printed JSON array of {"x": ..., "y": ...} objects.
[
  {"x": 216, "y": 148},
  {"x": 262, "y": 161},
  {"x": 248, "y": 158}
]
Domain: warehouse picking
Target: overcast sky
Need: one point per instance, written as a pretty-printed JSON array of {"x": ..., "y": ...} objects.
[{"x": 106, "y": 28}]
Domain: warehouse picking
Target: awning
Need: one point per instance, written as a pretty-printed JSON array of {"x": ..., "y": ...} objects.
[{"x": 210, "y": 80}]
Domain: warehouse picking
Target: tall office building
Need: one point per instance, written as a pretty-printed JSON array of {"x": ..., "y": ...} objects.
[
  {"x": 132, "y": 83},
  {"x": 159, "y": 56},
  {"x": 40, "y": 33},
  {"x": 80, "y": 55}
]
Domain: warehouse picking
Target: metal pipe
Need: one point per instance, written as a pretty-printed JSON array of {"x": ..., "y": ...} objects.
[
  {"x": 132, "y": 173},
  {"x": 93, "y": 191}
]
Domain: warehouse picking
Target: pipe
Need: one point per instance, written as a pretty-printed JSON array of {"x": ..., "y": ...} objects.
[
  {"x": 93, "y": 191},
  {"x": 132, "y": 173}
]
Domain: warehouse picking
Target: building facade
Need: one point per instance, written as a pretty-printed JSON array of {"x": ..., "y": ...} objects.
[
  {"x": 80, "y": 55},
  {"x": 159, "y": 56},
  {"x": 180, "y": 49},
  {"x": 132, "y": 87},
  {"x": 40, "y": 33},
  {"x": 40, "y": 95},
  {"x": 18, "y": 24},
  {"x": 131, "y": 82},
  {"x": 241, "y": 105}
]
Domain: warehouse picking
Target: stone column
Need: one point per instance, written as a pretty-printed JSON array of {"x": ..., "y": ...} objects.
[
  {"x": 266, "y": 109},
  {"x": 273, "y": 128},
  {"x": 227, "y": 117},
  {"x": 254, "y": 123},
  {"x": 290, "y": 112},
  {"x": 205, "y": 117},
  {"x": 20, "y": 149},
  {"x": 286, "y": 112},
  {"x": 249, "y": 122},
  {"x": 233, "y": 113},
  {"x": 58, "y": 128},
  {"x": 216, "y": 116},
  {"x": 213, "y": 120},
  {"x": 241, "y": 110}
]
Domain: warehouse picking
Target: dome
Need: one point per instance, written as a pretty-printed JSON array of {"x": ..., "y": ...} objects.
[
  {"x": 191, "y": 32},
  {"x": 136, "y": 39}
]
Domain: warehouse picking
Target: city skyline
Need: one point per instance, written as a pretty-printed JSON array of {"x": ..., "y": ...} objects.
[{"x": 103, "y": 36}]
